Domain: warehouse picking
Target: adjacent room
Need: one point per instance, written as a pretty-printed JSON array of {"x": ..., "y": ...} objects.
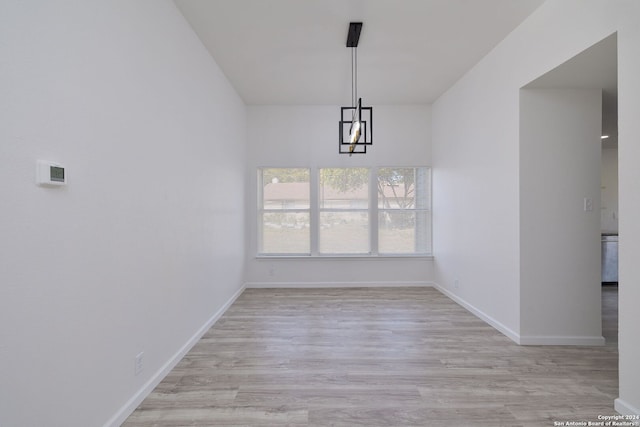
[{"x": 203, "y": 224}]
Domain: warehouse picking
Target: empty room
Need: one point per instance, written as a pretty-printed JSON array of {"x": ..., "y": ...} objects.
[{"x": 202, "y": 224}]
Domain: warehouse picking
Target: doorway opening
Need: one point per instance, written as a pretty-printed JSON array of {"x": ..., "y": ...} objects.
[{"x": 568, "y": 187}]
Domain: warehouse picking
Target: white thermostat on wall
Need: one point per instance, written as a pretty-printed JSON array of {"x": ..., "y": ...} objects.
[{"x": 49, "y": 173}]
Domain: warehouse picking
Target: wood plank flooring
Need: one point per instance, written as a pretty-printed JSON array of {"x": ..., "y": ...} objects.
[{"x": 375, "y": 357}]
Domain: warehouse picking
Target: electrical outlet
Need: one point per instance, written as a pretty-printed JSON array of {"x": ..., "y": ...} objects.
[
  {"x": 138, "y": 364},
  {"x": 456, "y": 284},
  {"x": 588, "y": 204}
]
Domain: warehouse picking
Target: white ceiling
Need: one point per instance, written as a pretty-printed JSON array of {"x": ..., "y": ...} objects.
[{"x": 294, "y": 51}]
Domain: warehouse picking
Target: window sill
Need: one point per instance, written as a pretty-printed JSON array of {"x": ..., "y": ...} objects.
[{"x": 344, "y": 257}]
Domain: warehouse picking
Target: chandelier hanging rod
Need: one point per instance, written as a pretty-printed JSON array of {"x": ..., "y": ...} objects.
[{"x": 353, "y": 37}]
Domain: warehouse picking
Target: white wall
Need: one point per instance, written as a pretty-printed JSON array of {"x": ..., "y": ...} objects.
[
  {"x": 307, "y": 136},
  {"x": 629, "y": 205},
  {"x": 475, "y": 197},
  {"x": 146, "y": 243},
  {"x": 609, "y": 193},
  {"x": 476, "y": 158},
  {"x": 560, "y": 156}
]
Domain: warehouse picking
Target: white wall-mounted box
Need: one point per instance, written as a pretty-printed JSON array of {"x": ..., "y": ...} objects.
[{"x": 49, "y": 173}]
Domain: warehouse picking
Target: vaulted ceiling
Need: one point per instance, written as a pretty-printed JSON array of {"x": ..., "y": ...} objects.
[{"x": 294, "y": 51}]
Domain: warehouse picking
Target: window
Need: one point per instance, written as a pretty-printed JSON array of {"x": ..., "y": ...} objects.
[
  {"x": 284, "y": 211},
  {"x": 403, "y": 211},
  {"x": 344, "y": 211}
]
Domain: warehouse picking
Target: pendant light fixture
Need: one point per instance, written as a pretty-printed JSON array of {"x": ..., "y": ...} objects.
[{"x": 356, "y": 121}]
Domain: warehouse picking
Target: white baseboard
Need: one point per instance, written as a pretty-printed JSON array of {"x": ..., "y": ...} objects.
[
  {"x": 624, "y": 408},
  {"x": 155, "y": 379},
  {"x": 302, "y": 285},
  {"x": 525, "y": 339},
  {"x": 561, "y": 340},
  {"x": 482, "y": 315}
]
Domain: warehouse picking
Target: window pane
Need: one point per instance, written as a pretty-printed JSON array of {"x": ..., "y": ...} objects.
[
  {"x": 403, "y": 188},
  {"x": 344, "y": 232},
  {"x": 282, "y": 231},
  {"x": 285, "y": 188},
  {"x": 404, "y": 232},
  {"x": 285, "y": 233},
  {"x": 344, "y": 188}
]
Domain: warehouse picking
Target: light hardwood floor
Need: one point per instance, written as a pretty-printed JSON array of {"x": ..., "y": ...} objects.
[{"x": 376, "y": 357}]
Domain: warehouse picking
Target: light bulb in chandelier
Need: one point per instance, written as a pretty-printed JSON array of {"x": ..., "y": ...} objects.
[
  {"x": 354, "y": 136},
  {"x": 356, "y": 128},
  {"x": 354, "y": 132}
]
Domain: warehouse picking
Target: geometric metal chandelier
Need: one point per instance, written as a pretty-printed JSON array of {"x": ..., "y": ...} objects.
[{"x": 356, "y": 121}]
